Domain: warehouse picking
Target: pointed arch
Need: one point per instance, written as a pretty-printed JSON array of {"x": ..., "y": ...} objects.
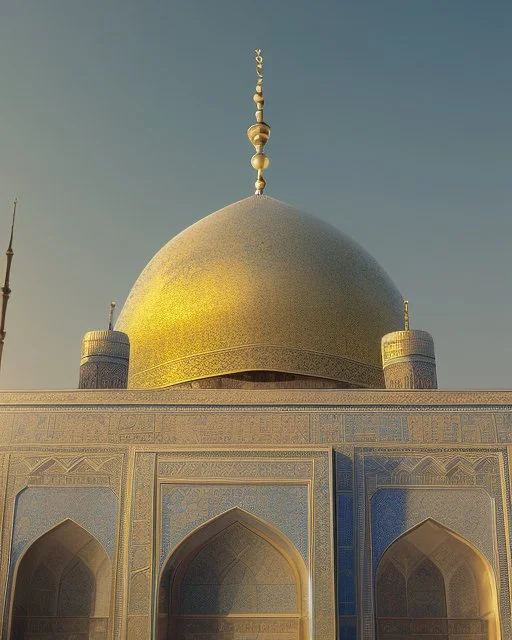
[
  {"x": 450, "y": 585},
  {"x": 393, "y": 589},
  {"x": 425, "y": 594},
  {"x": 462, "y": 593},
  {"x": 235, "y": 570},
  {"x": 62, "y": 578}
]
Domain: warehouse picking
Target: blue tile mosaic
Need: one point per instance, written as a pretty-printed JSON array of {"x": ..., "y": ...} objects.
[
  {"x": 345, "y": 554},
  {"x": 348, "y": 629},
  {"x": 345, "y": 520},
  {"x": 185, "y": 507},
  {"x": 39, "y": 509},
  {"x": 467, "y": 511}
]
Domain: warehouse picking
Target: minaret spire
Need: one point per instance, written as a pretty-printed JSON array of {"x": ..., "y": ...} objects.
[
  {"x": 259, "y": 133},
  {"x": 406, "y": 315},
  {"x": 111, "y": 316},
  {"x": 6, "y": 291}
]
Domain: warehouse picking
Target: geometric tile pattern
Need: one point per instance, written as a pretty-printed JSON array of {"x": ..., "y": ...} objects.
[
  {"x": 186, "y": 506},
  {"x": 462, "y": 489}
]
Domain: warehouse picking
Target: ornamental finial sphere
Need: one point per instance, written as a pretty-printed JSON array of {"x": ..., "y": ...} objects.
[{"x": 259, "y": 161}]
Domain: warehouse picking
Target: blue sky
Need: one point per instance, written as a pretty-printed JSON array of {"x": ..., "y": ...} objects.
[{"x": 122, "y": 123}]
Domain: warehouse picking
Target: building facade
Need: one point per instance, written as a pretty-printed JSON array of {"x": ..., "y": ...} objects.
[
  {"x": 258, "y": 451},
  {"x": 267, "y": 514}
]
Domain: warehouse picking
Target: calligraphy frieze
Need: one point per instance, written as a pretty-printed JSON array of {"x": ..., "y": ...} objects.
[
  {"x": 292, "y": 469},
  {"x": 268, "y": 426},
  {"x": 265, "y": 628}
]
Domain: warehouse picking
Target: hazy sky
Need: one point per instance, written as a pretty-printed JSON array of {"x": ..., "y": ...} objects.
[{"x": 123, "y": 122}]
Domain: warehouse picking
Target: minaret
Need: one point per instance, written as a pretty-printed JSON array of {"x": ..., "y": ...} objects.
[
  {"x": 105, "y": 358},
  {"x": 259, "y": 132},
  {"x": 6, "y": 291},
  {"x": 408, "y": 358}
]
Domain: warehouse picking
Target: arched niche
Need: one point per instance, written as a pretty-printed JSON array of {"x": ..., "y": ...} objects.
[
  {"x": 432, "y": 583},
  {"x": 62, "y": 583},
  {"x": 235, "y": 576}
]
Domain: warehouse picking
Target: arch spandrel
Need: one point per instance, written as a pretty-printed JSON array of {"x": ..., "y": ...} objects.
[
  {"x": 39, "y": 509},
  {"x": 233, "y": 574},
  {"x": 394, "y": 511}
]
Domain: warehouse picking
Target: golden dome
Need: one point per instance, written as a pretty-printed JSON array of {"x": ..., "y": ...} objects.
[{"x": 259, "y": 286}]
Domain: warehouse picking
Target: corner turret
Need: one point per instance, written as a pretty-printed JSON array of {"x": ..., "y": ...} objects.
[
  {"x": 408, "y": 358},
  {"x": 105, "y": 358}
]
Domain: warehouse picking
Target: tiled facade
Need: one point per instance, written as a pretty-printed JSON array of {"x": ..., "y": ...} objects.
[{"x": 332, "y": 478}]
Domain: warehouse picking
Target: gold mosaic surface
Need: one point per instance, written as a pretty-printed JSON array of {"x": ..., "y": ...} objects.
[{"x": 259, "y": 285}]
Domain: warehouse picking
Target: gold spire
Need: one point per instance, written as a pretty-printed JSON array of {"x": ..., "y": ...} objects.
[
  {"x": 406, "y": 315},
  {"x": 6, "y": 291},
  {"x": 111, "y": 316},
  {"x": 259, "y": 133}
]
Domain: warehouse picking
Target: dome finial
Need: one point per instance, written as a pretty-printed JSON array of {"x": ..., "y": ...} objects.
[
  {"x": 406, "y": 315},
  {"x": 259, "y": 133}
]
